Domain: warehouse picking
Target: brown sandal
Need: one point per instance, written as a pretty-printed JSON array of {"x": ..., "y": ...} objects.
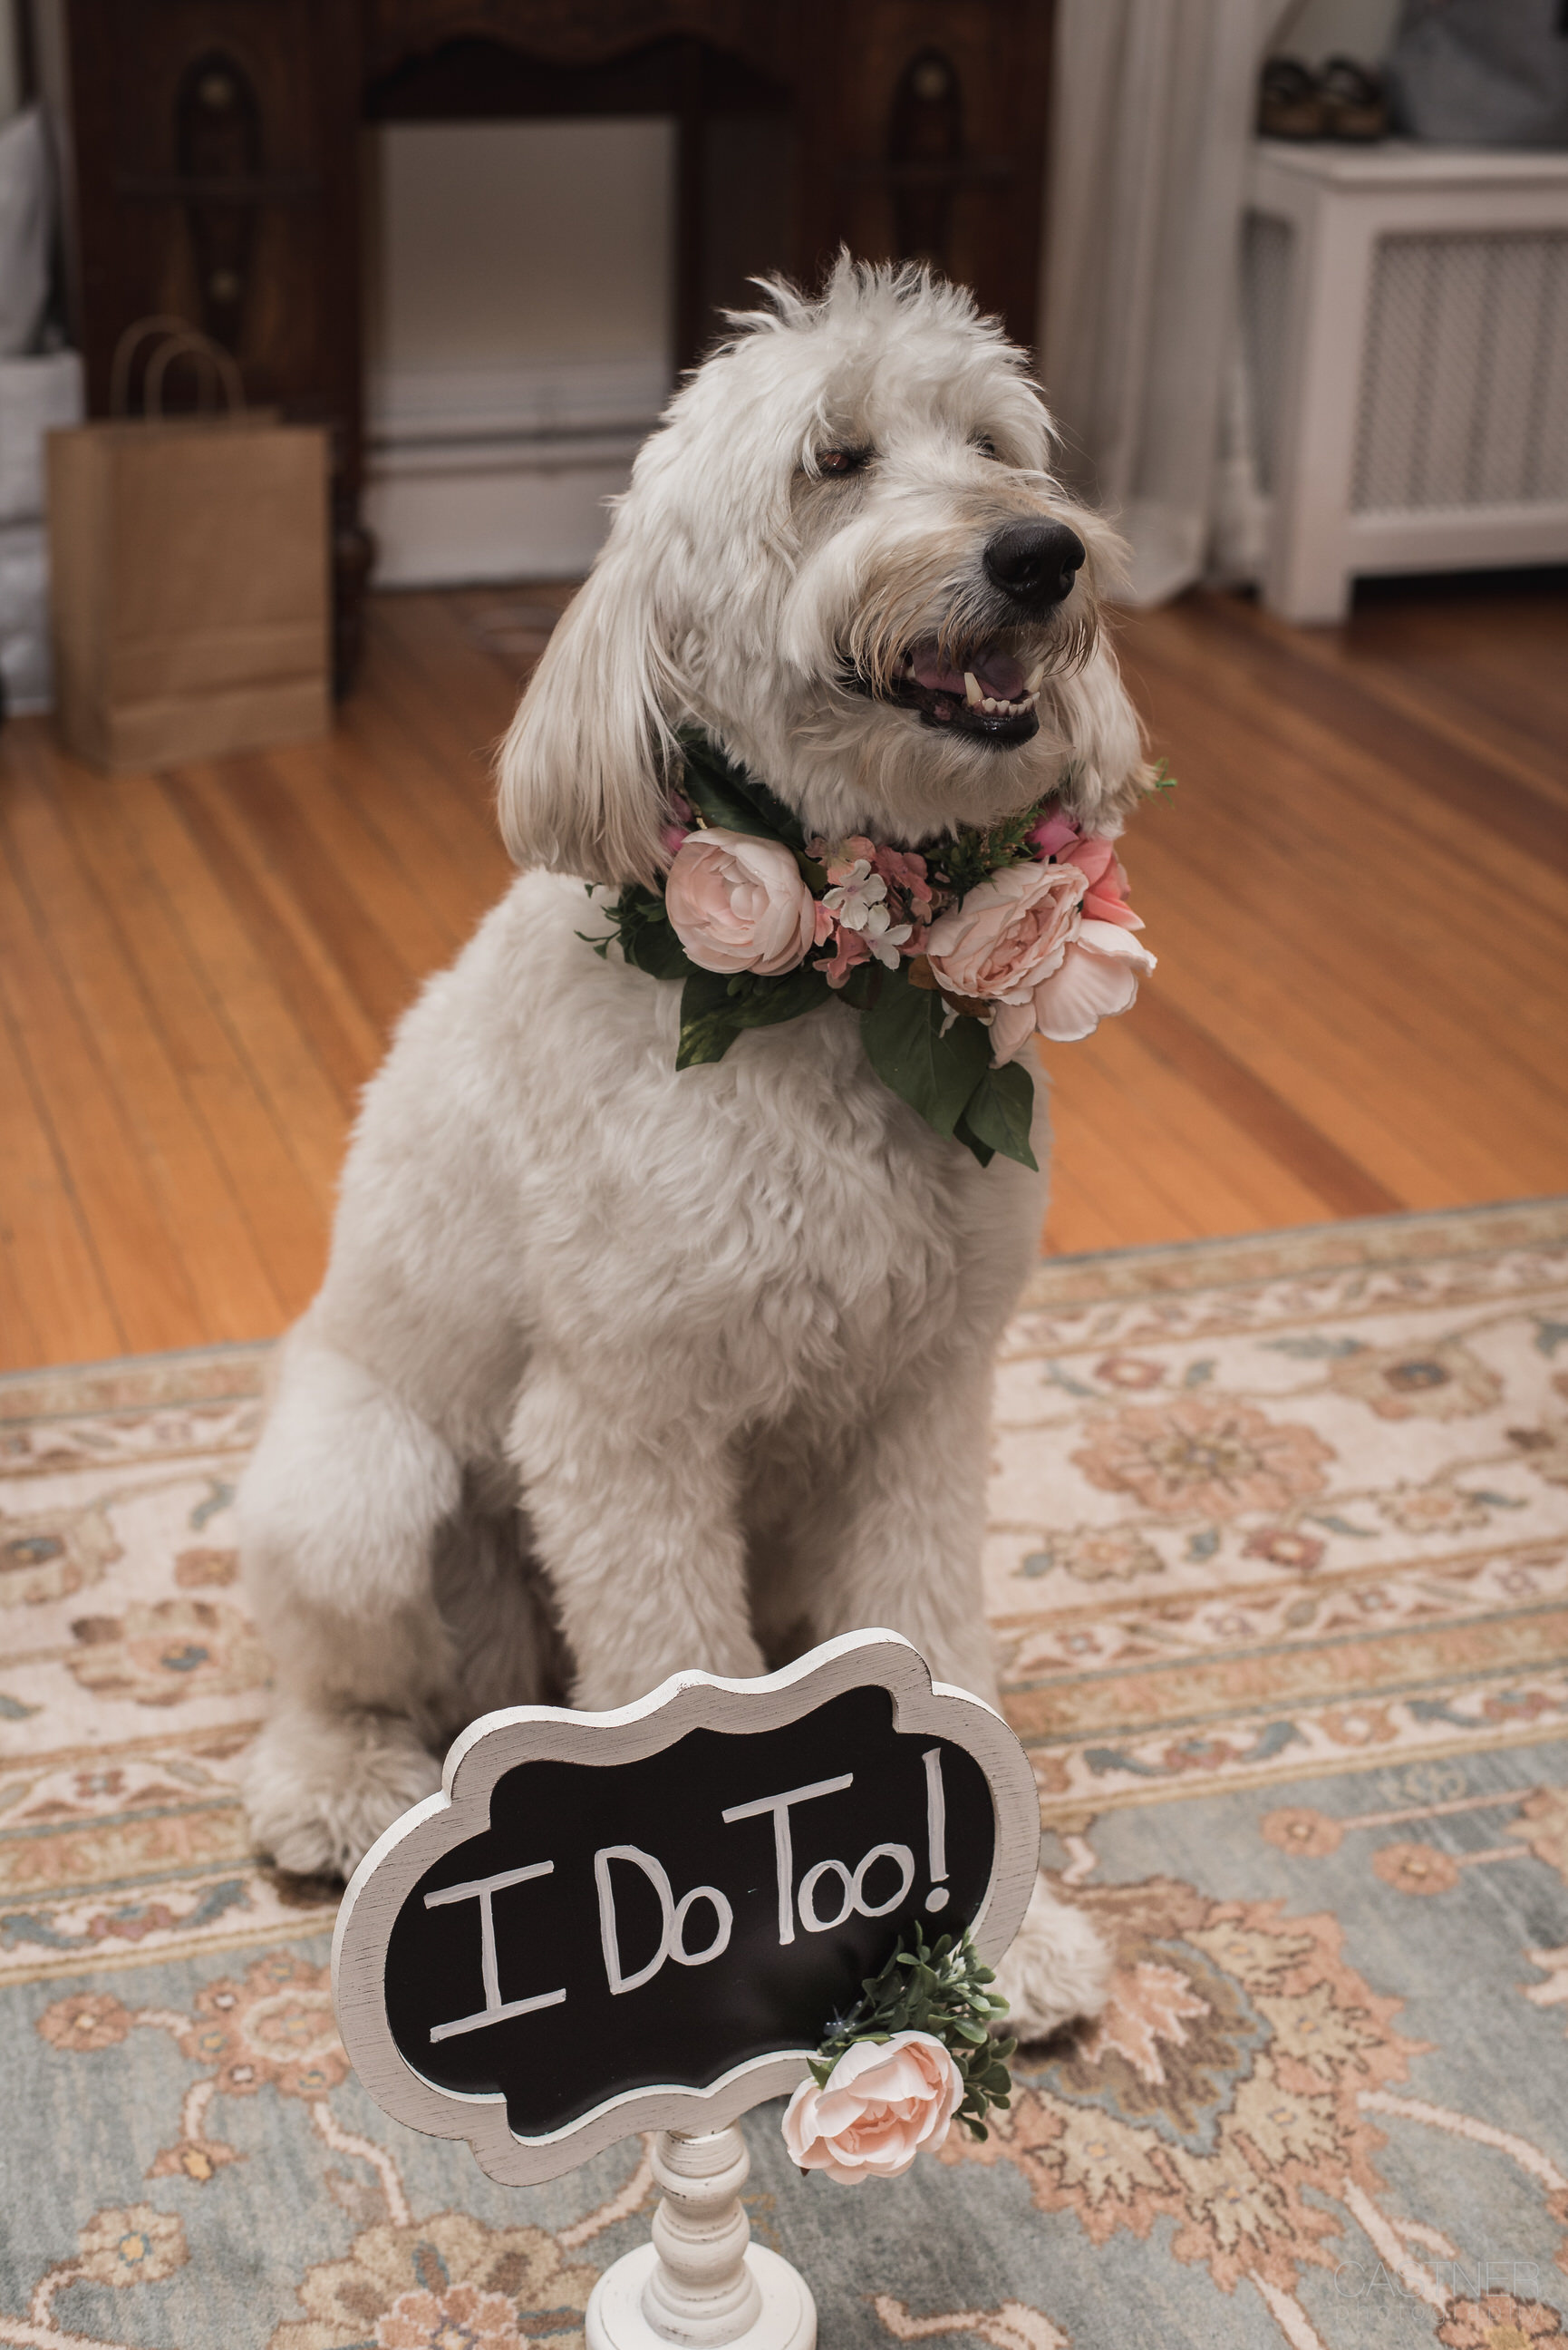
[
  {"x": 1355, "y": 101},
  {"x": 1290, "y": 103}
]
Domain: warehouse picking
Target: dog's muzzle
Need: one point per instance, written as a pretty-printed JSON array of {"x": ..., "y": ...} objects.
[
  {"x": 989, "y": 688},
  {"x": 1033, "y": 563}
]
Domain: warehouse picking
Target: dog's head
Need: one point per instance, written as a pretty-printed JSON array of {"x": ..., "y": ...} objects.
[{"x": 844, "y": 555}]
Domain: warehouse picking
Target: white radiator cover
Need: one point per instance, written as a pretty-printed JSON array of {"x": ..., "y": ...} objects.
[
  {"x": 1464, "y": 373},
  {"x": 1404, "y": 332}
]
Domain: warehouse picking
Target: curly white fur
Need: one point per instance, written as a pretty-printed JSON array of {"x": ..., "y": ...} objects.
[{"x": 616, "y": 1371}]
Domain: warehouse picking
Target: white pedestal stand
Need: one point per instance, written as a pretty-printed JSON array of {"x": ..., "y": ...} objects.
[{"x": 701, "y": 2280}]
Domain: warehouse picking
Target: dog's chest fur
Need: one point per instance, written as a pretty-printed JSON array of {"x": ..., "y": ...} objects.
[{"x": 766, "y": 1239}]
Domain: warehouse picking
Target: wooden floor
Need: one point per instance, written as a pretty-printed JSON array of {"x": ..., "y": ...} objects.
[{"x": 1359, "y": 895}]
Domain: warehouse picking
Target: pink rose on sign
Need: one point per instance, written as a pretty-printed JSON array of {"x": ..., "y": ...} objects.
[
  {"x": 884, "y": 2099},
  {"x": 739, "y": 904},
  {"x": 1007, "y": 934}
]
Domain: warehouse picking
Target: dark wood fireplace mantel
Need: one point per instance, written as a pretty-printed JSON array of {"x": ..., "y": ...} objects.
[{"x": 212, "y": 159}]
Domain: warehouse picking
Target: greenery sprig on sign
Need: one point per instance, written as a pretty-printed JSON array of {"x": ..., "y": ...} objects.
[{"x": 942, "y": 1988}]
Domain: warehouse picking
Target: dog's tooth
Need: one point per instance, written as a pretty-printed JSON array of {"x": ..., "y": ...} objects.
[
  {"x": 1031, "y": 682},
  {"x": 989, "y": 706},
  {"x": 972, "y": 694}
]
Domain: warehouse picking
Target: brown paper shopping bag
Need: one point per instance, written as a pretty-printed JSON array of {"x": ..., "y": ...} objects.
[{"x": 189, "y": 586}]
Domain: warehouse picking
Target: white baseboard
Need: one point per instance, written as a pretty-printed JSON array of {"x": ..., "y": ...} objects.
[{"x": 494, "y": 473}]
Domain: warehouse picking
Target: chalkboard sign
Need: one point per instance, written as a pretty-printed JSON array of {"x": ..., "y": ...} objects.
[{"x": 647, "y": 1919}]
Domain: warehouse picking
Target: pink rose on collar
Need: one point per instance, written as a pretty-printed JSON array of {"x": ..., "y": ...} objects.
[
  {"x": 1055, "y": 835},
  {"x": 884, "y": 2101},
  {"x": 1106, "y": 898},
  {"x": 1007, "y": 934},
  {"x": 1097, "y": 977},
  {"x": 738, "y": 903}
]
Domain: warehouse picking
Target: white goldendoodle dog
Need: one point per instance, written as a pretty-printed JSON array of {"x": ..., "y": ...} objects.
[{"x": 616, "y": 1370}]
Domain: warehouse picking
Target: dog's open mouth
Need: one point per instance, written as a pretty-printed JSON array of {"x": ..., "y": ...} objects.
[{"x": 992, "y": 695}]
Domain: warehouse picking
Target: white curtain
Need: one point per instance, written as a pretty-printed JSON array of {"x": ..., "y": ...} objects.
[{"x": 1153, "y": 120}]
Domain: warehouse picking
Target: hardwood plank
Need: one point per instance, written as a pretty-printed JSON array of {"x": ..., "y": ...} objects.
[
  {"x": 142, "y": 1267},
  {"x": 1355, "y": 933},
  {"x": 432, "y": 636},
  {"x": 229, "y": 1286},
  {"x": 1307, "y": 1032},
  {"x": 326, "y": 893},
  {"x": 55, "y": 1305},
  {"x": 455, "y": 701},
  {"x": 388, "y": 763},
  {"x": 1316, "y": 1163},
  {"x": 425, "y": 905},
  {"x": 243, "y": 990},
  {"x": 1170, "y": 1165},
  {"x": 1378, "y": 875},
  {"x": 284, "y": 1212},
  {"x": 1357, "y": 980},
  {"x": 19, "y": 1340},
  {"x": 1461, "y": 779},
  {"x": 1295, "y": 764},
  {"x": 341, "y": 1039},
  {"x": 1126, "y": 1191}
]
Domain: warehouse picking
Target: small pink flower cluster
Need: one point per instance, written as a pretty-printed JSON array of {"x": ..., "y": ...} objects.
[
  {"x": 876, "y": 907},
  {"x": 1044, "y": 945}
]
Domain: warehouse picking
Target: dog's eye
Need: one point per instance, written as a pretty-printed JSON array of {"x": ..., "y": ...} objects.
[
  {"x": 842, "y": 461},
  {"x": 985, "y": 446}
]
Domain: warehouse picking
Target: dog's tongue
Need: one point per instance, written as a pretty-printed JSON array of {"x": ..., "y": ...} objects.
[{"x": 996, "y": 672}]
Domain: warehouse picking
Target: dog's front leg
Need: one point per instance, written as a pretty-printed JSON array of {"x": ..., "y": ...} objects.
[
  {"x": 895, "y": 1523},
  {"x": 904, "y": 1550},
  {"x": 339, "y": 1511},
  {"x": 635, "y": 1519}
]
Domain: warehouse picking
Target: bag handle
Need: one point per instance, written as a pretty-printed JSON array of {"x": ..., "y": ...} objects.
[{"x": 180, "y": 341}]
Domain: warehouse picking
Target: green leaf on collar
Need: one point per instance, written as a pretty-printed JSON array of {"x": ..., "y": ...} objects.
[
  {"x": 933, "y": 1072},
  {"x": 964, "y": 1132},
  {"x": 707, "y": 1026},
  {"x": 647, "y": 935},
  {"x": 999, "y": 1110},
  {"x": 723, "y": 794},
  {"x": 715, "y": 1008},
  {"x": 760, "y": 1002}
]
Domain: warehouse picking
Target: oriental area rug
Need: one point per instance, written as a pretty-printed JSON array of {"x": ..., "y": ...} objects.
[{"x": 1278, "y": 1564}]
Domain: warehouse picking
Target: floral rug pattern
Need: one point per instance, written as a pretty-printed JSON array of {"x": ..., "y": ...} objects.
[{"x": 1278, "y": 1563}]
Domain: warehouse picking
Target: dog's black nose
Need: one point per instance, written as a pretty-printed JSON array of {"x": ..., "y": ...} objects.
[{"x": 1033, "y": 563}]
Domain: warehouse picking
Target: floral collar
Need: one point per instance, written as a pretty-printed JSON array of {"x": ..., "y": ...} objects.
[{"x": 953, "y": 957}]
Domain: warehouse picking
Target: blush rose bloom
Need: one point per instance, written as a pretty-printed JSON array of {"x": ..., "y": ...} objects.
[
  {"x": 739, "y": 904},
  {"x": 884, "y": 2101},
  {"x": 1097, "y": 977},
  {"x": 1007, "y": 934}
]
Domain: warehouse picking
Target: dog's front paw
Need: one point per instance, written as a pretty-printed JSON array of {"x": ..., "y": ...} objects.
[
  {"x": 1057, "y": 1967},
  {"x": 319, "y": 1788}
]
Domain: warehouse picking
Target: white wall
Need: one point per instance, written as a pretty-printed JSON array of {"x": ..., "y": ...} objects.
[{"x": 517, "y": 349}]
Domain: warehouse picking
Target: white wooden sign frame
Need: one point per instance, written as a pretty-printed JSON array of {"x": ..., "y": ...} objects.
[{"x": 499, "y": 1742}]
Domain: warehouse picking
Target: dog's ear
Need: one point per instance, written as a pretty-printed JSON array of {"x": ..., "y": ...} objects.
[
  {"x": 1104, "y": 741},
  {"x": 580, "y": 772}
]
